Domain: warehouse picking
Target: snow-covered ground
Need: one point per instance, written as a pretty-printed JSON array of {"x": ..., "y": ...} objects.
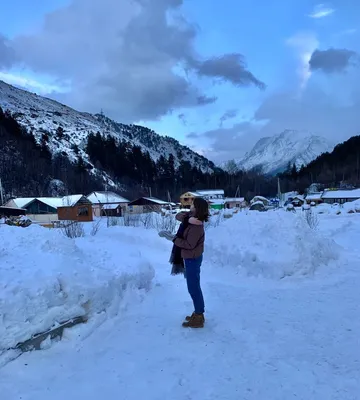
[{"x": 283, "y": 306}]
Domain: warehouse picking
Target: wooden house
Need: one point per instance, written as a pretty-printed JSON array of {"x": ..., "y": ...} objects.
[
  {"x": 107, "y": 204},
  {"x": 75, "y": 208},
  {"x": 146, "y": 205}
]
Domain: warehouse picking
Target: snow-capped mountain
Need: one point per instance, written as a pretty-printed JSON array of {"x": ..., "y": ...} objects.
[
  {"x": 40, "y": 115},
  {"x": 273, "y": 154}
]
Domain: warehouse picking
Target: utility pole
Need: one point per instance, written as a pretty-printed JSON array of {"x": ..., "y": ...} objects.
[{"x": 1, "y": 193}]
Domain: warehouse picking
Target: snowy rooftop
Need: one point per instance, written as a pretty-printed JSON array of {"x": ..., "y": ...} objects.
[
  {"x": 314, "y": 196},
  {"x": 230, "y": 199},
  {"x": 110, "y": 206},
  {"x": 217, "y": 201},
  {"x": 155, "y": 200},
  {"x": 341, "y": 194},
  {"x": 54, "y": 202},
  {"x": 106, "y": 197},
  {"x": 210, "y": 192}
]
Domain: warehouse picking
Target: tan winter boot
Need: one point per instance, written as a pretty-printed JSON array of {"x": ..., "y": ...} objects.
[
  {"x": 188, "y": 317},
  {"x": 195, "y": 321}
]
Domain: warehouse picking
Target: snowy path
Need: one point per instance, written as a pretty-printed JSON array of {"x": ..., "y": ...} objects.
[{"x": 262, "y": 340}]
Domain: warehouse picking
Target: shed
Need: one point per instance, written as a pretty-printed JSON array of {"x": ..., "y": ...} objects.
[
  {"x": 110, "y": 210},
  {"x": 147, "y": 204},
  {"x": 11, "y": 211},
  {"x": 75, "y": 208}
]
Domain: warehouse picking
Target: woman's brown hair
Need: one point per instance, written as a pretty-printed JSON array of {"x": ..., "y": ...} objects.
[{"x": 201, "y": 209}]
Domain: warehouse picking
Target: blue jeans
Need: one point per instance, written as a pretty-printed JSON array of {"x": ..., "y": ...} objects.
[{"x": 192, "y": 266}]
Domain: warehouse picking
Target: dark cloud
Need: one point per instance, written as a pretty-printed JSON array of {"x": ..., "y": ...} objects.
[
  {"x": 7, "y": 54},
  {"x": 204, "y": 100},
  {"x": 193, "y": 135},
  {"x": 332, "y": 60},
  {"x": 230, "y": 114},
  {"x": 126, "y": 57},
  {"x": 183, "y": 119},
  {"x": 229, "y": 68},
  {"x": 316, "y": 111}
]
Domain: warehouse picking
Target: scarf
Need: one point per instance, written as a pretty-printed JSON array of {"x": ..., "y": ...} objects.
[{"x": 178, "y": 266}]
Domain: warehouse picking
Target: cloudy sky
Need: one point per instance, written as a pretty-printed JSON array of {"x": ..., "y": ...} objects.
[{"x": 215, "y": 75}]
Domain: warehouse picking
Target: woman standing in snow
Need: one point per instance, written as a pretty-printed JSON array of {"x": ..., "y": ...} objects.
[{"x": 191, "y": 242}]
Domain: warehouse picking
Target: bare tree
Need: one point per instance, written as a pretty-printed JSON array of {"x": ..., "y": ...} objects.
[{"x": 311, "y": 219}]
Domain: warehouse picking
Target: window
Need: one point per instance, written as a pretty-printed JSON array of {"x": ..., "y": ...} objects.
[{"x": 83, "y": 212}]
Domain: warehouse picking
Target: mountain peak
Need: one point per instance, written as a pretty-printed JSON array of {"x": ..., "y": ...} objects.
[
  {"x": 273, "y": 154},
  {"x": 43, "y": 116}
]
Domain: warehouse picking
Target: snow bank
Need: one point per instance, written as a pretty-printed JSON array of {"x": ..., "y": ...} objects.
[
  {"x": 274, "y": 245},
  {"x": 47, "y": 278}
]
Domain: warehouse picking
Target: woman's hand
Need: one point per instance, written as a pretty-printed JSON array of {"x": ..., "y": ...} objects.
[{"x": 167, "y": 235}]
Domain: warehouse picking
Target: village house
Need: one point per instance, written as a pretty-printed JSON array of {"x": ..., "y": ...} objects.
[
  {"x": 75, "y": 208},
  {"x": 38, "y": 209},
  {"x": 187, "y": 199},
  {"x": 216, "y": 204},
  {"x": 214, "y": 197},
  {"x": 147, "y": 204},
  {"x": 235, "y": 202},
  {"x": 298, "y": 201},
  {"x": 330, "y": 196},
  {"x": 107, "y": 204},
  {"x": 46, "y": 210},
  {"x": 314, "y": 198}
]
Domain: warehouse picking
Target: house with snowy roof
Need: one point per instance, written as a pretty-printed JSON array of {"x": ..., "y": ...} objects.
[
  {"x": 314, "y": 198},
  {"x": 331, "y": 196},
  {"x": 45, "y": 210},
  {"x": 147, "y": 204},
  {"x": 107, "y": 204},
  {"x": 215, "y": 197}
]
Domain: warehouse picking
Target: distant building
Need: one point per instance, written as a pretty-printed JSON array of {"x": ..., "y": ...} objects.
[
  {"x": 46, "y": 210},
  {"x": 107, "y": 204},
  {"x": 11, "y": 212},
  {"x": 340, "y": 196},
  {"x": 38, "y": 209},
  {"x": 147, "y": 204},
  {"x": 187, "y": 199},
  {"x": 75, "y": 208},
  {"x": 235, "y": 202},
  {"x": 298, "y": 201},
  {"x": 314, "y": 198}
]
